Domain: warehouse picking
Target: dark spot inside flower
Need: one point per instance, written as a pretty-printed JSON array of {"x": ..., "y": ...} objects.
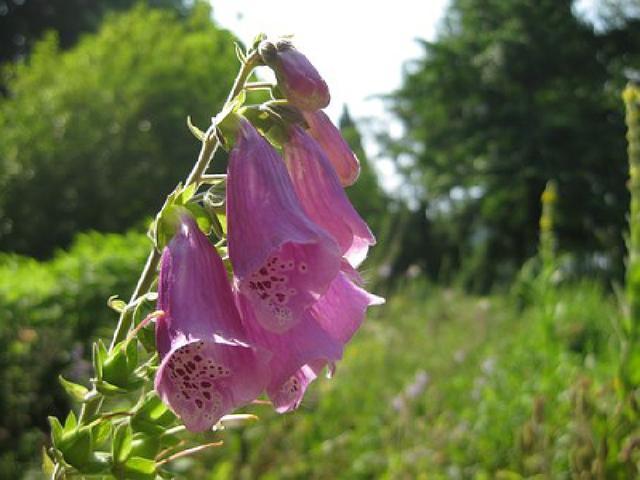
[
  {"x": 205, "y": 384},
  {"x": 206, "y": 395},
  {"x": 191, "y": 365},
  {"x": 199, "y": 403},
  {"x": 264, "y": 271},
  {"x": 197, "y": 358},
  {"x": 180, "y": 371},
  {"x": 267, "y": 283}
]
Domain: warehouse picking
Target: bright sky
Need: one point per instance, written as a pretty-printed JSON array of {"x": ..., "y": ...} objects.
[{"x": 359, "y": 47}]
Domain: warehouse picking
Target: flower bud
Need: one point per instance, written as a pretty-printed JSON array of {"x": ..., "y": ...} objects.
[{"x": 297, "y": 77}]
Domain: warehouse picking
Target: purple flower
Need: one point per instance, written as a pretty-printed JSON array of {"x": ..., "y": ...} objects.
[
  {"x": 207, "y": 367},
  {"x": 323, "y": 198},
  {"x": 338, "y": 151},
  {"x": 299, "y": 354},
  {"x": 283, "y": 262},
  {"x": 297, "y": 77}
]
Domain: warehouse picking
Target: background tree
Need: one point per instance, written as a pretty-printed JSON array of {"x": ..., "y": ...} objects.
[
  {"x": 23, "y": 22},
  {"x": 512, "y": 94},
  {"x": 83, "y": 129}
]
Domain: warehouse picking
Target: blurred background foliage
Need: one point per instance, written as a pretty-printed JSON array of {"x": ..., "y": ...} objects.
[{"x": 487, "y": 362}]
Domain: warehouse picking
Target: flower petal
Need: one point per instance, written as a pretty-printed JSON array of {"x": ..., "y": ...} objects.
[
  {"x": 282, "y": 260},
  {"x": 336, "y": 148},
  {"x": 305, "y": 343},
  {"x": 323, "y": 198}
]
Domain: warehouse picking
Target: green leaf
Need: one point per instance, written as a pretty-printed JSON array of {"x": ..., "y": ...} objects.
[
  {"x": 138, "y": 468},
  {"x": 122, "y": 443},
  {"x": 74, "y": 390}
]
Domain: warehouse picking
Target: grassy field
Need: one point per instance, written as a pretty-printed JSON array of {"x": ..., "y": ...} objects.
[
  {"x": 436, "y": 384},
  {"x": 439, "y": 384}
]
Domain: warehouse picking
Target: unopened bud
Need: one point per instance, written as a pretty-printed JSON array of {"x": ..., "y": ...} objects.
[{"x": 297, "y": 77}]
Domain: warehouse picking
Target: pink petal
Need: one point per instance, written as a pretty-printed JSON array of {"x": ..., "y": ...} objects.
[
  {"x": 344, "y": 161},
  {"x": 341, "y": 310},
  {"x": 305, "y": 343},
  {"x": 323, "y": 198},
  {"x": 283, "y": 262}
]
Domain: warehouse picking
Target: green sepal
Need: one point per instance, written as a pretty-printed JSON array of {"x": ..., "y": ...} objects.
[
  {"x": 48, "y": 466},
  {"x": 99, "y": 355},
  {"x": 240, "y": 54},
  {"x": 121, "y": 444},
  {"x": 56, "y": 430},
  {"x": 152, "y": 416},
  {"x": 108, "y": 389},
  {"x": 116, "y": 304},
  {"x": 101, "y": 431},
  {"x": 164, "y": 227},
  {"x": 199, "y": 134},
  {"x": 147, "y": 338},
  {"x": 74, "y": 390},
  {"x": 145, "y": 445},
  {"x": 257, "y": 39},
  {"x": 115, "y": 369},
  {"x": 138, "y": 468},
  {"x": 76, "y": 446},
  {"x": 98, "y": 466},
  {"x": 202, "y": 217},
  {"x": 70, "y": 423}
]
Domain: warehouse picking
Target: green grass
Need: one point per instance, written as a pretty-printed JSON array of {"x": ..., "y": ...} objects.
[{"x": 509, "y": 394}]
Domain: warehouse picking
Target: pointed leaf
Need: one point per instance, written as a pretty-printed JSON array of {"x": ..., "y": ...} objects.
[
  {"x": 74, "y": 390},
  {"x": 56, "y": 430},
  {"x": 122, "y": 443},
  {"x": 116, "y": 303},
  {"x": 199, "y": 134},
  {"x": 70, "y": 423},
  {"x": 47, "y": 464}
]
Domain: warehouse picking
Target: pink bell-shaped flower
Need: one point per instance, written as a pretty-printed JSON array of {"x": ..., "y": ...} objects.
[
  {"x": 323, "y": 198},
  {"x": 344, "y": 161},
  {"x": 283, "y": 262},
  {"x": 297, "y": 77},
  {"x": 300, "y": 354},
  {"x": 207, "y": 367}
]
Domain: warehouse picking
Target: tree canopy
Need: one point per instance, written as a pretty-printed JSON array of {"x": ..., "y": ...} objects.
[
  {"x": 512, "y": 94},
  {"x": 95, "y": 136}
]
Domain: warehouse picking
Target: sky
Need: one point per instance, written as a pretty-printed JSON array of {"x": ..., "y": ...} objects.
[{"x": 358, "y": 46}]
